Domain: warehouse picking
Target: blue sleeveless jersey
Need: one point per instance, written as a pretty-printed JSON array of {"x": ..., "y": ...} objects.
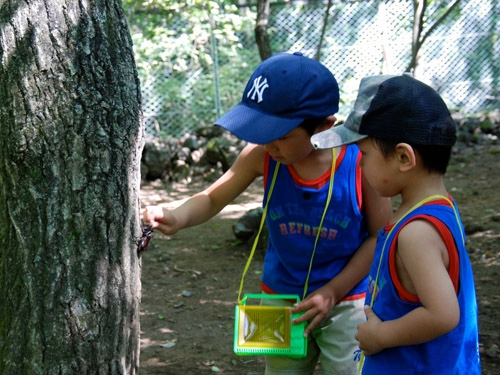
[
  {"x": 455, "y": 353},
  {"x": 293, "y": 216}
]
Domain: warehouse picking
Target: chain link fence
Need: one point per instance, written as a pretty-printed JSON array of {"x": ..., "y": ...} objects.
[{"x": 459, "y": 58}]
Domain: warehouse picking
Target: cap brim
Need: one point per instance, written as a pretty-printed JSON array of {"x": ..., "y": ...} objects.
[
  {"x": 254, "y": 126},
  {"x": 335, "y": 137}
]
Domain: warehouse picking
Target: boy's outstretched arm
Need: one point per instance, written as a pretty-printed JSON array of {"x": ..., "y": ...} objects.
[
  {"x": 206, "y": 204},
  {"x": 422, "y": 268}
]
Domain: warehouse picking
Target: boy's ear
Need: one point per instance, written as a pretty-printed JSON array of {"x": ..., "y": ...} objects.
[
  {"x": 406, "y": 156},
  {"x": 327, "y": 123}
]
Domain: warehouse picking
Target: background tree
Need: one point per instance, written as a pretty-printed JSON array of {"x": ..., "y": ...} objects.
[
  {"x": 174, "y": 46},
  {"x": 261, "y": 36},
  {"x": 421, "y": 19},
  {"x": 70, "y": 147},
  {"x": 323, "y": 30}
]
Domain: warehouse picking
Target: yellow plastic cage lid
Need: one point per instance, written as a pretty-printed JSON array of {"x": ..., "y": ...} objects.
[{"x": 268, "y": 330}]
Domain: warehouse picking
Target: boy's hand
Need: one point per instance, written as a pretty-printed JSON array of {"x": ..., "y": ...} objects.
[
  {"x": 317, "y": 306},
  {"x": 367, "y": 333},
  {"x": 161, "y": 218}
]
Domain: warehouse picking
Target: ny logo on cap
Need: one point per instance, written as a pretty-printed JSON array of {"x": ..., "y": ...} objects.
[{"x": 257, "y": 89}]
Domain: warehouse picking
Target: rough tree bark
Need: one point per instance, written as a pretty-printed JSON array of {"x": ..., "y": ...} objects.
[{"x": 70, "y": 144}]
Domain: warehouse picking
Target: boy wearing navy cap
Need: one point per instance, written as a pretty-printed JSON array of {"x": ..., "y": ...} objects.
[
  {"x": 322, "y": 217},
  {"x": 421, "y": 303}
]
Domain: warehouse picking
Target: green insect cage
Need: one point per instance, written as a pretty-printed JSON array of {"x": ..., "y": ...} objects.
[
  {"x": 265, "y": 328},
  {"x": 268, "y": 330}
]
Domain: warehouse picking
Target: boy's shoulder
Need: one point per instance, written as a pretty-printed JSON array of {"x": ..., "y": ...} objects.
[{"x": 435, "y": 208}]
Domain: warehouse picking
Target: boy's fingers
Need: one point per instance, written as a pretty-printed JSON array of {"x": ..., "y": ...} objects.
[{"x": 369, "y": 312}]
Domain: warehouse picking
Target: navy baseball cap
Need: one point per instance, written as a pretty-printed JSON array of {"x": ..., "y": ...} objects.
[
  {"x": 283, "y": 91},
  {"x": 395, "y": 108}
]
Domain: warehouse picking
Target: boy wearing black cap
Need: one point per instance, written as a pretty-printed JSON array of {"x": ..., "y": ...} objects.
[
  {"x": 322, "y": 217},
  {"x": 422, "y": 313}
]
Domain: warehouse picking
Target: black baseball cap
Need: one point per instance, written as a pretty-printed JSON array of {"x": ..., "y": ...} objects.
[{"x": 397, "y": 108}]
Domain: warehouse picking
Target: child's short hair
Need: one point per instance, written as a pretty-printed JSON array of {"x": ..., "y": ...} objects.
[
  {"x": 434, "y": 158},
  {"x": 311, "y": 124}
]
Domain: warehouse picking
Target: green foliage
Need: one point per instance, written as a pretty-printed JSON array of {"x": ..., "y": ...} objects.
[
  {"x": 197, "y": 46},
  {"x": 195, "y": 56}
]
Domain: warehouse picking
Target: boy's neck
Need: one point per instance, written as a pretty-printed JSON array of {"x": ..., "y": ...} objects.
[
  {"x": 315, "y": 165},
  {"x": 418, "y": 188}
]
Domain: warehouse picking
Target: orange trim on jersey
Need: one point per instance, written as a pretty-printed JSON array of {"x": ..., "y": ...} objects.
[
  {"x": 354, "y": 297},
  {"x": 453, "y": 266},
  {"x": 266, "y": 289},
  {"x": 359, "y": 182},
  {"x": 267, "y": 156},
  {"x": 320, "y": 181}
]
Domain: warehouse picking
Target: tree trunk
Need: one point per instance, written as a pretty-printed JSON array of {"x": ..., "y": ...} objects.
[
  {"x": 70, "y": 147},
  {"x": 261, "y": 36},
  {"x": 323, "y": 30},
  {"x": 419, "y": 37},
  {"x": 419, "y": 7}
]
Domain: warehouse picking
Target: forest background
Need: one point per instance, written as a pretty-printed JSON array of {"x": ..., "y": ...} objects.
[{"x": 194, "y": 57}]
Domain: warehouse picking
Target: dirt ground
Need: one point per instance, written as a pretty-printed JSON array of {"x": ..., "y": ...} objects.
[{"x": 190, "y": 281}]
